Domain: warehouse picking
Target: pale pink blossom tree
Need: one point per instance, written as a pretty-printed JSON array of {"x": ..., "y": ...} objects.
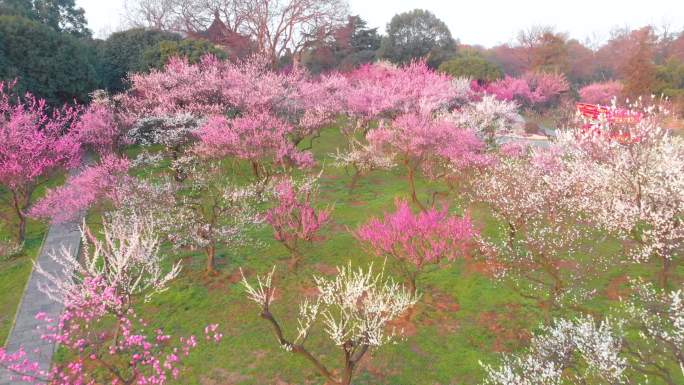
[
  {"x": 294, "y": 219},
  {"x": 544, "y": 243},
  {"x": 420, "y": 143},
  {"x": 418, "y": 240},
  {"x": 243, "y": 88},
  {"x": 639, "y": 342},
  {"x": 210, "y": 209},
  {"x": 33, "y": 146},
  {"x": 601, "y": 93},
  {"x": 384, "y": 91},
  {"x": 260, "y": 139}
]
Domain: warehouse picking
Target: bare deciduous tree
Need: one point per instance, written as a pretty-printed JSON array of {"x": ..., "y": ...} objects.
[{"x": 277, "y": 27}]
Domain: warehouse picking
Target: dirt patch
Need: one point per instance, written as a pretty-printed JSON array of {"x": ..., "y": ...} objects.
[
  {"x": 259, "y": 356},
  {"x": 220, "y": 376},
  {"x": 616, "y": 290},
  {"x": 357, "y": 203},
  {"x": 325, "y": 269},
  {"x": 309, "y": 292},
  {"x": 506, "y": 333},
  {"x": 439, "y": 309},
  {"x": 404, "y": 325}
]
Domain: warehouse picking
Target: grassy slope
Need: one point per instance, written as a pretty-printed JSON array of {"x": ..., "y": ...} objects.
[
  {"x": 463, "y": 318},
  {"x": 14, "y": 272}
]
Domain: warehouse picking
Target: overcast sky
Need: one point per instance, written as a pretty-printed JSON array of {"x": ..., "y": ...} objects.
[{"x": 483, "y": 22}]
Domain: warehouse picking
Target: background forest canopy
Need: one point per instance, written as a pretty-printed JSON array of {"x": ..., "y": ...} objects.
[{"x": 67, "y": 63}]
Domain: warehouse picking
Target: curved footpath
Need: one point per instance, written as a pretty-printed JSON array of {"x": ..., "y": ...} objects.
[{"x": 24, "y": 332}]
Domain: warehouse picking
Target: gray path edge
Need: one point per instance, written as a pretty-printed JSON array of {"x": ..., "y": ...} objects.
[{"x": 24, "y": 333}]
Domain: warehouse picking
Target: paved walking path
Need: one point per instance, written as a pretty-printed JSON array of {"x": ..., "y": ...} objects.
[{"x": 24, "y": 333}]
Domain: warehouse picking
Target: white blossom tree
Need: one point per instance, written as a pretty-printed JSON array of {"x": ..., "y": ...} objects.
[
  {"x": 543, "y": 246},
  {"x": 127, "y": 258},
  {"x": 578, "y": 351},
  {"x": 633, "y": 185},
  {"x": 489, "y": 117},
  {"x": 641, "y": 343},
  {"x": 355, "y": 307}
]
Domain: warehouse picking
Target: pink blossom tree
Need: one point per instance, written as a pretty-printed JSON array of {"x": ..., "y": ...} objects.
[
  {"x": 420, "y": 143},
  {"x": 101, "y": 128},
  {"x": 418, "y": 240},
  {"x": 260, "y": 139},
  {"x": 32, "y": 147},
  {"x": 530, "y": 90},
  {"x": 294, "y": 219},
  {"x": 601, "y": 93},
  {"x": 130, "y": 353},
  {"x": 95, "y": 184},
  {"x": 384, "y": 91}
]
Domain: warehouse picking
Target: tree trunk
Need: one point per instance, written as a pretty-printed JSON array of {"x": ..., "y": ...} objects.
[
  {"x": 665, "y": 272},
  {"x": 295, "y": 257},
  {"x": 412, "y": 187},
  {"x": 19, "y": 210},
  {"x": 354, "y": 180},
  {"x": 211, "y": 264}
]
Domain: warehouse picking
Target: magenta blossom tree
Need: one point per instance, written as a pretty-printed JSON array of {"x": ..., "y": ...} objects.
[
  {"x": 417, "y": 240},
  {"x": 531, "y": 89},
  {"x": 260, "y": 139},
  {"x": 33, "y": 145},
  {"x": 294, "y": 219}
]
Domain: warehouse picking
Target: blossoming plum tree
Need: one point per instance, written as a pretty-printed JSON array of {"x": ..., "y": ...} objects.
[
  {"x": 260, "y": 139},
  {"x": 127, "y": 261},
  {"x": 641, "y": 343},
  {"x": 531, "y": 89},
  {"x": 122, "y": 267},
  {"x": 417, "y": 240},
  {"x": 355, "y": 306},
  {"x": 294, "y": 219},
  {"x": 32, "y": 146},
  {"x": 488, "y": 116},
  {"x": 95, "y": 184},
  {"x": 420, "y": 143},
  {"x": 210, "y": 209},
  {"x": 632, "y": 185},
  {"x": 542, "y": 250},
  {"x": 601, "y": 93}
]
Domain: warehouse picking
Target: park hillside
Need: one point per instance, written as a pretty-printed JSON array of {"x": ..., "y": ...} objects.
[{"x": 274, "y": 193}]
